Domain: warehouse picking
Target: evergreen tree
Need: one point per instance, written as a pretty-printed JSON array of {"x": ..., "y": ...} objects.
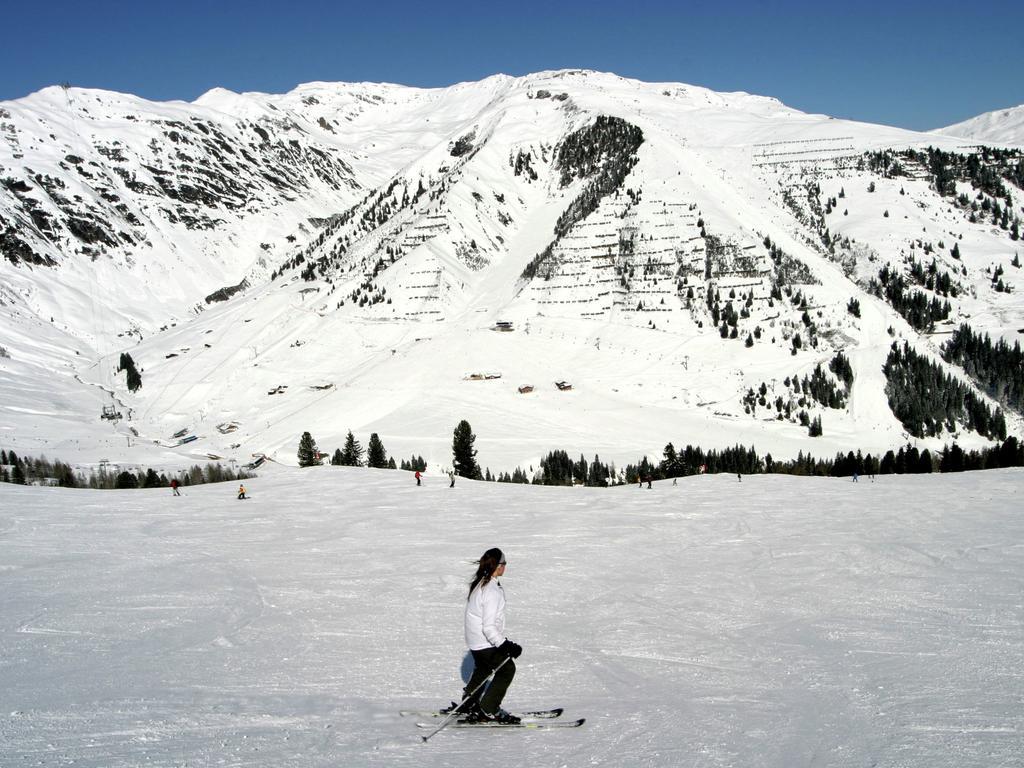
[
  {"x": 414, "y": 463},
  {"x": 580, "y": 471},
  {"x": 336, "y": 458},
  {"x": 670, "y": 464},
  {"x": 952, "y": 459},
  {"x": 66, "y": 476},
  {"x": 376, "y": 456},
  {"x": 901, "y": 461},
  {"x": 924, "y": 464},
  {"x": 1011, "y": 453},
  {"x": 599, "y": 473},
  {"x": 133, "y": 378},
  {"x": 18, "y": 475},
  {"x": 888, "y": 465},
  {"x": 352, "y": 453},
  {"x": 463, "y": 452},
  {"x": 558, "y": 469},
  {"x": 309, "y": 455}
]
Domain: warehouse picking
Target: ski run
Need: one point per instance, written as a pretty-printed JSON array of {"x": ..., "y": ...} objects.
[{"x": 777, "y": 622}]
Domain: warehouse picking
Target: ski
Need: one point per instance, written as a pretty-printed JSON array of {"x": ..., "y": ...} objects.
[
  {"x": 525, "y": 724},
  {"x": 536, "y": 714}
]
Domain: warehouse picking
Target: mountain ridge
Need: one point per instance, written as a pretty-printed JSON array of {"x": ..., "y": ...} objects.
[
  {"x": 1000, "y": 126},
  {"x": 380, "y": 233}
]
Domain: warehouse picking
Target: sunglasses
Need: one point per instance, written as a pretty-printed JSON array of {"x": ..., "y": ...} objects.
[{"x": 503, "y": 563}]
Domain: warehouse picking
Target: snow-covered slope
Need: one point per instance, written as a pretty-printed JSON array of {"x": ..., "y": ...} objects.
[
  {"x": 777, "y": 622},
  {"x": 680, "y": 257},
  {"x": 1001, "y": 126}
]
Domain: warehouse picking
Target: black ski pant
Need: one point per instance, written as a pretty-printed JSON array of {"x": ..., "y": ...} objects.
[{"x": 485, "y": 661}]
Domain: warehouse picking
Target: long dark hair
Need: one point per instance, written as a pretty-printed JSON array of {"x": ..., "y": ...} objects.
[{"x": 486, "y": 566}]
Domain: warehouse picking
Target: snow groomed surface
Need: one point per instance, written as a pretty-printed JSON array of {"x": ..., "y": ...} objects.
[{"x": 779, "y": 621}]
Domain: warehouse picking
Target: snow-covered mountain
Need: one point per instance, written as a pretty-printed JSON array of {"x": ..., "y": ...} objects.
[
  {"x": 698, "y": 267},
  {"x": 1001, "y": 126}
]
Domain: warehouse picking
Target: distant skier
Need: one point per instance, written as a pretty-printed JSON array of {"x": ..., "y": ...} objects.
[
  {"x": 739, "y": 478},
  {"x": 649, "y": 481},
  {"x": 855, "y": 477},
  {"x": 241, "y": 492},
  {"x": 675, "y": 481},
  {"x": 417, "y": 477},
  {"x": 451, "y": 476},
  {"x": 484, "y": 626},
  {"x": 174, "y": 487}
]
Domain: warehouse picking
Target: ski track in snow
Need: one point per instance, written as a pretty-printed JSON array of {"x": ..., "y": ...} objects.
[{"x": 774, "y": 622}]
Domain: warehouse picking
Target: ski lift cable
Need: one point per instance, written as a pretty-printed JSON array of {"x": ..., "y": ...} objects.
[
  {"x": 98, "y": 325},
  {"x": 191, "y": 362}
]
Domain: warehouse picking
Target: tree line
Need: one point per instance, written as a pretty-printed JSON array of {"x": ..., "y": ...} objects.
[
  {"x": 23, "y": 470},
  {"x": 927, "y": 400},
  {"x": 996, "y": 368},
  {"x": 915, "y": 306},
  {"x": 558, "y": 468},
  {"x": 603, "y": 153},
  {"x": 985, "y": 169},
  {"x": 464, "y": 462}
]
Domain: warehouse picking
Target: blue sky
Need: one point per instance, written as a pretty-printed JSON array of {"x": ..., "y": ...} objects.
[{"x": 914, "y": 64}]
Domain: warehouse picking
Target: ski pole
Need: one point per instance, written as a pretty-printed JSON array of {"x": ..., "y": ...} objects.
[{"x": 469, "y": 695}]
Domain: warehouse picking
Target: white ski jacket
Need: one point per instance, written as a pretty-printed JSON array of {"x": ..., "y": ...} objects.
[{"x": 485, "y": 617}]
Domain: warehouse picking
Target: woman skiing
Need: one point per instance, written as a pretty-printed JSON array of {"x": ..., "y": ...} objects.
[{"x": 485, "y": 636}]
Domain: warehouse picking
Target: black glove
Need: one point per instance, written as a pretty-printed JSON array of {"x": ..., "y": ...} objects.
[{"x": 510, "y": 649}]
